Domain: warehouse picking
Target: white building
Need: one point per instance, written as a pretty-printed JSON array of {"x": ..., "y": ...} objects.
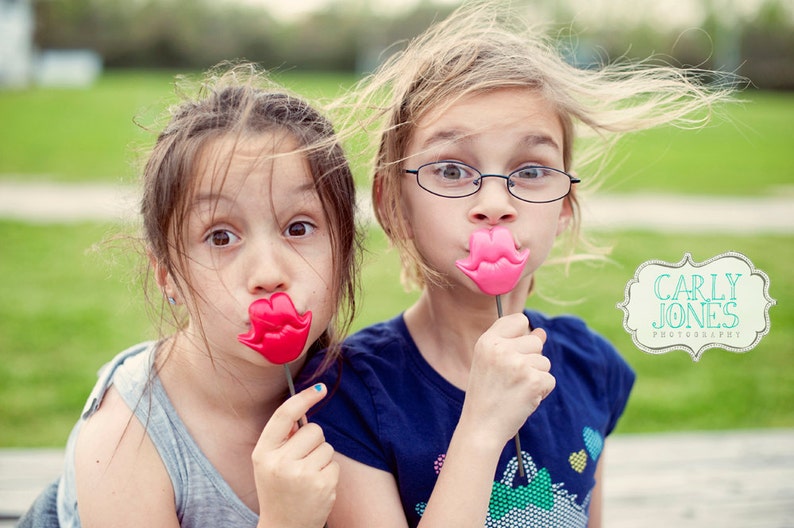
[{"x": 16, "y": 42}]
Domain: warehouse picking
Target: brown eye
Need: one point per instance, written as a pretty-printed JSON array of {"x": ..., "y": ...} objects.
[
  {"x": 221, "y": 238},
  {"x": 299, "y": 229}
]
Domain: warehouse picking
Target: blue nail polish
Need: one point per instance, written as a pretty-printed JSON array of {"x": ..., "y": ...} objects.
[{"x": 318, "y": 387}]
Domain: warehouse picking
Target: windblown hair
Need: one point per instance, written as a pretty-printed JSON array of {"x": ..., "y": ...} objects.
[
  {"x": 238, "y": 101},
  {"x": 485, "y": 46}
]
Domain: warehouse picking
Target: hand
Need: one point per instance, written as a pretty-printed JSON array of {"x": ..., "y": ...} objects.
[
  {"x": 509, "y": 378},
  {"x": 295, "y": 475}
]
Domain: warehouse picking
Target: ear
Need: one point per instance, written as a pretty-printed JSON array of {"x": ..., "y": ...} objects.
[
  {"x": 382, "y": 207},
  {"x": 162, "y": 276},
  {"x": 566, "y": 215},
  {"x": 377, "y": 195}
]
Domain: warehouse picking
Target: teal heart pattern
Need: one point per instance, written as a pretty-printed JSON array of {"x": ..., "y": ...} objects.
[
  {"x": 593, "y": 442},
  {"x": 540, "y": 502},
  {"x": 538, "y": 492}
]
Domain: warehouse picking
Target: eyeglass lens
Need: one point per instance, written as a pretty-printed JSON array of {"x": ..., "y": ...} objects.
[{"x": 530, "y": 183}]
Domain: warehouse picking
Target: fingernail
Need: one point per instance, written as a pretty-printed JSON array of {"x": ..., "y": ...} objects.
[{"x": 318, "y": 387}]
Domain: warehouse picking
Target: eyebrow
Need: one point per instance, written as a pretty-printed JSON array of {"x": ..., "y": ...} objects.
[
  {"x": 457, "y": 136},
  {"x": 308, "y": 187}
]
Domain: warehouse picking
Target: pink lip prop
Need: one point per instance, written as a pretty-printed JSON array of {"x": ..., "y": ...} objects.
[
  {"x": 493, "y": 263},
  {"x": 495, "y": 266}
]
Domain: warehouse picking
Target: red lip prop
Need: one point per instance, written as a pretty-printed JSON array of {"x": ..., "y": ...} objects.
[
  {"x": 493, "y": 263},
  {"x": 277, "y": 332}
]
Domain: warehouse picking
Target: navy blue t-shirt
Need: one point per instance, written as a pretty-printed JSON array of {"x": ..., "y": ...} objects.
[{"x": 391, "y": 410}]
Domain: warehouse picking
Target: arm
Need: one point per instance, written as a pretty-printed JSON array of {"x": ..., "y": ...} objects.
[
  {"x": 365, "y": 497},
  {"x": 509, "y": 378},
  {"x": 597, "y": 498},
  {"x": 295, "y": 473},
  {"x": 121, "y": 480},
  {"x": 368, "y": 497}
]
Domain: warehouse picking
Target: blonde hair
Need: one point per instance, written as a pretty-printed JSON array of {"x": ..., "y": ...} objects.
[{"x": 487, "y": 46}]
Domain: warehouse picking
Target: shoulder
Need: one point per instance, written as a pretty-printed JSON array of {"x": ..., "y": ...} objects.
[
  {"x": 572, "y": 335},
  {"x": 376, "y": 349},
  {"x": 361, "y": 384},
  {"x": 375, "y": 338},
  {"x": 118, "y": 471},
  {"x": 578, "y": 350},
  {"x": 584, "y": 362}
]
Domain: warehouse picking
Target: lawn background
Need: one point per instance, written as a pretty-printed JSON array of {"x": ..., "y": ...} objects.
[{"x": 69, "y": 302}]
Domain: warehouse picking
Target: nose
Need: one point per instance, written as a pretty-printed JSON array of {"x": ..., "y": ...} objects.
[
  {"x": 493, "y": 204},
  {"x": 266, "y": 265}
]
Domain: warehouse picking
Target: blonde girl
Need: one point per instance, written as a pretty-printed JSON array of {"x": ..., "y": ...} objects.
[{"x": 475, "y": 124}]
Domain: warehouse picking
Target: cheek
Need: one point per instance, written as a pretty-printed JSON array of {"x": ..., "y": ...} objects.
[
  {"x": 427, "y": 216},
  {"x": 544, "y": 228}
]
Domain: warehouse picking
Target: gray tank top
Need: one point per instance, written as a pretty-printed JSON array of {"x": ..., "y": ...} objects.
[{"x": 202, "y": 497}]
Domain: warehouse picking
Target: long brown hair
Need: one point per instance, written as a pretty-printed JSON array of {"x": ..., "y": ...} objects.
[{"x": 235, "y": 101}]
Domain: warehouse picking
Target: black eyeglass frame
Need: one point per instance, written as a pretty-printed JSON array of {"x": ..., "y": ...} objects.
[{"x": 506, "y": 178}]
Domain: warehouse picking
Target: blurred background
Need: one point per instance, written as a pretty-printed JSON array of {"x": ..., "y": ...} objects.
[
  {"x": 79, "y": 77},
  {"x": 751, "y": 37}
]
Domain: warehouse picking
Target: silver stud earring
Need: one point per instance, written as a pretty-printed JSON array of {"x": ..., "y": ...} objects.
[{"x": 171, "y": 300}]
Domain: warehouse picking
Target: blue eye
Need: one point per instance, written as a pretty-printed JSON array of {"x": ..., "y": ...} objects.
[
  {"x": 530, "y": 173},
  {"x": 221, "y": 238},
  {"x": 451, "y": 172}
]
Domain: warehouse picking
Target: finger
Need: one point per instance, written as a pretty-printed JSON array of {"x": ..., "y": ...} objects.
[
  {"x": 512, "y": 325},
  {"x": 305, "y": 440},
  {"x": 319, "y": 457},
  {"x": 533, "y": 342},
  {"x": 280, "y": 426},
  {"x": 539, "y": 362},
  {"x": 548, "y": 384}
]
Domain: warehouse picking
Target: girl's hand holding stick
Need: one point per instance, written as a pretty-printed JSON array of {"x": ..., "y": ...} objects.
[{"x": 495, "y": 266}]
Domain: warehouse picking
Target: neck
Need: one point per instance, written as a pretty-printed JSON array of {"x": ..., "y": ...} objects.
[
  {"x": 446, "y": 324},
  {"x": 221, "y": 383}
]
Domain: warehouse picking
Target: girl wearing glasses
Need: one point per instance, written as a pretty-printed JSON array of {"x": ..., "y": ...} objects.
[{"x": 477, "y": 132}]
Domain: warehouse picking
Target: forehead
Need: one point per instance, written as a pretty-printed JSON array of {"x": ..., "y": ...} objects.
[
  {"x": 521, "y": 111},
  {"x": 230, "y": 160}
]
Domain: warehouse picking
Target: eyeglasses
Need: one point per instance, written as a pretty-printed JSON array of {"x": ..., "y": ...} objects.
[{"x": 532, "y": 183}]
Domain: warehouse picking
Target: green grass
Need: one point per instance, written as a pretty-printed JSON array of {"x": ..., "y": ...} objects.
[
  {"x": 67, "y": 308},
  {"x": 89, "y": 135},
  {"x": 746, "y": 151},
  {"x": 70, "y": 135}
]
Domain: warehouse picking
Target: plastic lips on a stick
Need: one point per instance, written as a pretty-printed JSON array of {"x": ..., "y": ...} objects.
[
  {"x": 278, "y": 331},
  {"x": 493, "y": 263},
  {"x": 495, "y": 266}
]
